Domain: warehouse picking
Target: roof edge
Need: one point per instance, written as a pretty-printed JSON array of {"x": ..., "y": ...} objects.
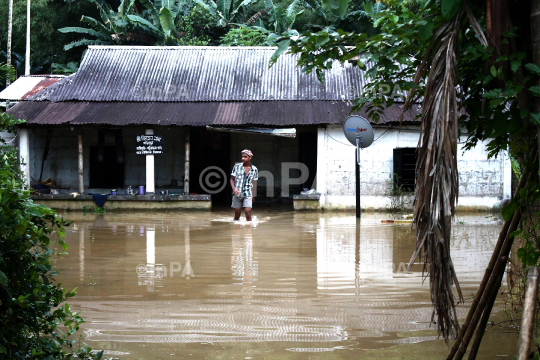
[{"x": 141, "y": 47}]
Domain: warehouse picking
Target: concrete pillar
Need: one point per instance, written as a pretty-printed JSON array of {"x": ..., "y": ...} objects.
[
  {"x": 321, "y": 165},
  {"x": 150, "y": 173},
  {"x": 186, "y": 165},
  {"x": 24, "y": 154},
  {"x": 81, "y": 163}
]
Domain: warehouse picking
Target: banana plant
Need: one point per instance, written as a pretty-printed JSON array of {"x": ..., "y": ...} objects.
[
  {"x": 123, "y": 26},
  {"x": 226, "y": 10},
  {"x": 112, "y": 27},
  {"x": 163, "y": 16},
  {"x": 282, "y": 19},
  {"x": 330, "y": 11}
]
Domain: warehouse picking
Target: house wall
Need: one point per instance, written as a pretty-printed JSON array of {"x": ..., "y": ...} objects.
[
  {"x": 6, "y": 136},
  {"x": 483, "y": 182},
  {"x": 61, "y": 163}
]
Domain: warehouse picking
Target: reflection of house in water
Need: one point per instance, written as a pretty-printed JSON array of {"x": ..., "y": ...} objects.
[
  {"x": 349, "y": 253},
  {"x": 336, "y": 255},
  {"x": 319, "y": 279},
  {"x": 244, "y": 263}
]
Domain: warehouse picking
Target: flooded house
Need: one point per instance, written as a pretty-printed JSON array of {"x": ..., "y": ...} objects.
[{"x": 173, "y": 120}]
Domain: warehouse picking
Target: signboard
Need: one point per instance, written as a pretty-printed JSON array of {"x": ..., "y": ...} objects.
[{"x": 149, "y": 144}]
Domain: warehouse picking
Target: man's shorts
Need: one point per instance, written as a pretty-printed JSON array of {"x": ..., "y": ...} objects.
[{"x": 240, "y": 203}]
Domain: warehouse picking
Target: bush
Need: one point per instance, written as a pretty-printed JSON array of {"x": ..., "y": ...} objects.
[
  {"x": 245, "y": 36},
  {"x": 32, "y": 306}
]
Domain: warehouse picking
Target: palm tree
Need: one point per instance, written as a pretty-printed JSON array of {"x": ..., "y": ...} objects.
[{"x": 10, "y": 31}]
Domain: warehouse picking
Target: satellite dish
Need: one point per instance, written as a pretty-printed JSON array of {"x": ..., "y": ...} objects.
[{"x": 356, "y": 127}]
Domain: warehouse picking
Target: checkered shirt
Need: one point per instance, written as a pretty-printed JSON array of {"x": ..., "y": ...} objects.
[{"x": 243, "y": 181}]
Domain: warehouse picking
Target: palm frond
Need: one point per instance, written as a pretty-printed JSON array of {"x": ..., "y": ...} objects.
[{"x": 438, "y": 182}]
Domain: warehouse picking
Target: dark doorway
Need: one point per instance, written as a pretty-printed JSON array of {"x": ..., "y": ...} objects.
[
  {"x": 307, "y": 147},
  {"x": 210, "y": 149},
  {"x": 405, "y": 168},
  {"x": 108, "y": 173}
]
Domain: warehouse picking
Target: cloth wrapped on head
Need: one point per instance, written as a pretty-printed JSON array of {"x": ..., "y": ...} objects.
[{"x": 247, "y": 152}]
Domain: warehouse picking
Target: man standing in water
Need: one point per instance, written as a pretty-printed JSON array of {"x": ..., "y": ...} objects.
[{"x": 244, "y": 178}]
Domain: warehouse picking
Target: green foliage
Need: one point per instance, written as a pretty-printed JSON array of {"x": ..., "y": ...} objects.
[
  {"x": 65, "y": 69},
  {"x": 245, "y": 36},
  {"x": 227, "y": 10},
  {"x": 7, "y": 72},
  {"x": 199, "y": 27},
  {"x": 46, "y": 42},
  {"x": 9, "y": 161},
  {"x": 35, "y": 321},
  {"x": 400, "y": 199},
  {"x": 528, "y": 254},
  {"x": 282, "y": 18}
]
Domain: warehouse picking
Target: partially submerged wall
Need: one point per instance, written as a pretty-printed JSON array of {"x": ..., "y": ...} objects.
[{"x": 484, "y": 183}]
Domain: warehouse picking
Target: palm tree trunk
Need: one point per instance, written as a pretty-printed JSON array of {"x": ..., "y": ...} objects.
[
  {"x": 535, "y": 46},
  {"x": 10, "y": 31},
  {"x": 27, "y": 57}
]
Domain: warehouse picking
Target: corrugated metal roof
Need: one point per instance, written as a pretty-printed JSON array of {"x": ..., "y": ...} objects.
[
  {"x": 180, "y": 73},
  {"x": 281, "y": 113},
  {"x": 26, "y": 86}
]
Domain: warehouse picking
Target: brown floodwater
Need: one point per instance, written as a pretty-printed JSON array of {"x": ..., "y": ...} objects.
[{"x": 180, "y": 285}]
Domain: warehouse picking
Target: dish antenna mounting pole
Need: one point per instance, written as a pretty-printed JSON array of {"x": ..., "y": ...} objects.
[{"x": 359, "y": 133}]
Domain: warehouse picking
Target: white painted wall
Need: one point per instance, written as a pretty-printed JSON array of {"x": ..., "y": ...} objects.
[{"x": 482, "y": 181}]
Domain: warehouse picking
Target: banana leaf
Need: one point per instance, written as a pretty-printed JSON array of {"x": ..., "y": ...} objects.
[
  {"x": 85, "y": 42},
  {"x": 145, "y": 24},
  {"x": 153, "y": 11},
  {"x": 80, "y": 30},
  {"x": 167, "y": 20}
]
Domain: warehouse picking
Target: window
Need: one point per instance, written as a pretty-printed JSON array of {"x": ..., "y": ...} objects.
[{"x": 405, "y": 168}]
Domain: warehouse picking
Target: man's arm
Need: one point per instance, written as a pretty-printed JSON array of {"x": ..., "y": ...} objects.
[
  {"x": 254, "y": 190},
  {"x": 234, "y": 189}
]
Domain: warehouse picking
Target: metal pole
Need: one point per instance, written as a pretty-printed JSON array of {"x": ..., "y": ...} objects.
[
  {"x": 528, "y": 313},
  {"x": 357, "y": 167}
]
